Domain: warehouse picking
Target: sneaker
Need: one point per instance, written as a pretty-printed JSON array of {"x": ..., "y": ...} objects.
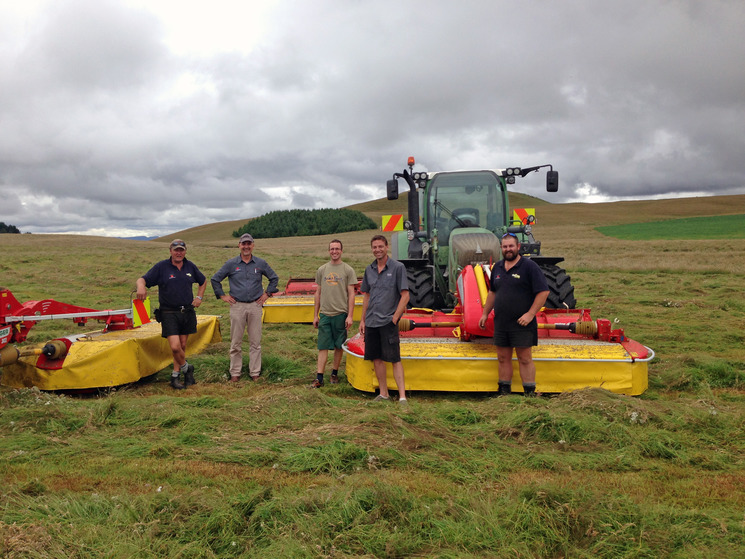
[
  {"x": 380, "y": 398},
  {"x": 316, "y": 384},
  {"x": 176, "y": 383},
  {"x": 403, "y": 403},
  {"x": 334, "y": 379},
  {"x": 189, "y": 375}
]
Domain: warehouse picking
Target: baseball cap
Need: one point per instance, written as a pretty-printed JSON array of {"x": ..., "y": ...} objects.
[
  {"x": 178, "y": 243},
  {"x": 246, "y": 237}
]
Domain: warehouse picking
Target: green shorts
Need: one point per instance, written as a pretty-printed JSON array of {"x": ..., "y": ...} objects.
[{"x": 332, "y": 332}]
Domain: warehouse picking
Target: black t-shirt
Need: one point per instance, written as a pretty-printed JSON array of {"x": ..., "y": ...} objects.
[{"x": 515, "y": 291}]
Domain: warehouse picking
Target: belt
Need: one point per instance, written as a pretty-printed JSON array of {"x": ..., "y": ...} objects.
[
  {"x": 251, "y": 301},
  {"x": 182, "y": 309}
]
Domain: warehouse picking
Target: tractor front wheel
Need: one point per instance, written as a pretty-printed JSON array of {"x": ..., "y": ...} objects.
[
  {"x": 421, "y": 288},
  {"x": 561, "y": 290}
]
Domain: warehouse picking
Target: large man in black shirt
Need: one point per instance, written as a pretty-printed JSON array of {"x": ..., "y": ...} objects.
[{"x": 517, "y": 291}]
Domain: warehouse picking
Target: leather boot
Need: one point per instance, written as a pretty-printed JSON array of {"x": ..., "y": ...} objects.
[
  {"x": 505, "y": 388},
  {"x": 176, "y": 383},
  {"x": 529, "y": 390},
  {"x": 189, "y": 375}
]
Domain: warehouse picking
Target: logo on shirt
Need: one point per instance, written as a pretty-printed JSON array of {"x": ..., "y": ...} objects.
[
  {"x": 516, "y": 276},
  {"x": 171, "y": 276},
  {"x": 188, "y": 274},
  {"x": 333, "y": 278},
  {"x": 237, "y": 268}
]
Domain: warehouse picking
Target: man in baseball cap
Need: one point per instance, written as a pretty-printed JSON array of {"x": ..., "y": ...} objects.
[
  {"x": 175, "y": 277},
  {"x": 245, "y": 275}
]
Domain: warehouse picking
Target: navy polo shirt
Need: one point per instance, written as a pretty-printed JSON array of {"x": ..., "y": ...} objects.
[{"x": 174, "y": 285}]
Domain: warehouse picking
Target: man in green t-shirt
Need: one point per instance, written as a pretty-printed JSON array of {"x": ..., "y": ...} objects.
[{"x": 333, "y": 310}]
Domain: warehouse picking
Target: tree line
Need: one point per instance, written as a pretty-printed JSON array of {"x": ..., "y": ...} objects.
[
  {"x": 303, "y": 223},
  {"x": 8, "y": 228}
]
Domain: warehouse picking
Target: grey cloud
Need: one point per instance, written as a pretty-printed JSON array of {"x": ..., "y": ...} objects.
[{"x": 631, "y": 98}]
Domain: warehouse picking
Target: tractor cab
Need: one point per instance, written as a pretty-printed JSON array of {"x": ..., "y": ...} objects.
[{"x": 458, "y": 221}]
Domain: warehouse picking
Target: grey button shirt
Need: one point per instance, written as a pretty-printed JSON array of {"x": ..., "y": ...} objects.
[
  {"x": 245, "y": 278},
  {"x": 385, "y": 291}
]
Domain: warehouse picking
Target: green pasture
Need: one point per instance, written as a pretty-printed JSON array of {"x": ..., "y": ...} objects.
[
  {"x": 709, "y": 227},
  {"x": 277, "y": 470}
]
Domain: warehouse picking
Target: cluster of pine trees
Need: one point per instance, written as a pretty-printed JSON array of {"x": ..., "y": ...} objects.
[
  {"x": 302, "y": 223},
  {"x": 8, "y": 228}
]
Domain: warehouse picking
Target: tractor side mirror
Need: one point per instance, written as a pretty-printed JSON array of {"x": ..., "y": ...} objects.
[
  {"x": 392, "y": 189},
  {"x": 552, "y": 181}
]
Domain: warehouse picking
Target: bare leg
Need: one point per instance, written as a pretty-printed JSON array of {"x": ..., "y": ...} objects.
[
  {"x": 504, "y": 357},
  {"x": 338, "y": 354},
  {"x": 380, "y": 373},
  {"x": 178, "y": 349},
  {"x": 526, "y": 364},
  {"x": 398, "y": 375},
  {"x": 323, "y": 355}
]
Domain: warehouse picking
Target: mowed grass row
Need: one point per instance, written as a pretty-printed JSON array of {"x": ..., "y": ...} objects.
[{"x": 279, "y": 470}]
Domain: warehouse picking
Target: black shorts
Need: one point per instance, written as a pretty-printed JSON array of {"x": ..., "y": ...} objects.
[
  {"x": 178, "y": 323},
  {"x": 383, "y": 343},
  {"x": 516, "y": 338}
]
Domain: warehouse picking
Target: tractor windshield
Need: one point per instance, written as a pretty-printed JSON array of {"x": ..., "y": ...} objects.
[{"x": 465, "y": 199}]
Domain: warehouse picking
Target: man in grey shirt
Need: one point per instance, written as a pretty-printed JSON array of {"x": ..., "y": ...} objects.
[
  {"x": 245, "y": 275},
  {"x": 385, "y": 292}
]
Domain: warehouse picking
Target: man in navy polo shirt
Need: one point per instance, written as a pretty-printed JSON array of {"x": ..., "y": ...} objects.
[
  {"x": 174, "y": 278},
  {"x": 517, "y": 292}
]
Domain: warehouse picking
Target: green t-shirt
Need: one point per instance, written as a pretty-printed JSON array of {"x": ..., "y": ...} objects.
[{"x": 334, "y": 281}]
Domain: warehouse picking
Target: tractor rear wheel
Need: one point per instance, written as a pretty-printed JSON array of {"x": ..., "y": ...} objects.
[
  {"x": 561, "y": 290},
  {"x": 421, "y": 288}
]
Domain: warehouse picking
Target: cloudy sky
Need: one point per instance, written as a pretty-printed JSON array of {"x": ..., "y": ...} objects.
[{"x": 144, "y": 117}]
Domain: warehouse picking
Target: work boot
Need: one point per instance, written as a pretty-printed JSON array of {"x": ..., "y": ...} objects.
[
  {"x": 529, "y": 390},
  {"x": 188, "y": 374},
  {"x": 176, "y": 383},
  {"x": 505, "y": 388}
]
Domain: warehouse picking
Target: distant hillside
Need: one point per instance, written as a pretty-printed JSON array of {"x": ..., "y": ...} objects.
[
  {"x": 548, "y": 214},
  {"x": 374, "y": 209}
]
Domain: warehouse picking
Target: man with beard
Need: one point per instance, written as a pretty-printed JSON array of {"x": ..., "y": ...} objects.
[{"x": 517, "y": 291}]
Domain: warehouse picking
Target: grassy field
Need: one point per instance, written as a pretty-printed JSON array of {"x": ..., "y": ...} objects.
[
  {"x": 719, "y": 227},
  {"x": 278, "y": 470}
]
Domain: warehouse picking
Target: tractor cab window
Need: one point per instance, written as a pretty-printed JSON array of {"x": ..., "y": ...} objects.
[{"x": 473, "y": 199}]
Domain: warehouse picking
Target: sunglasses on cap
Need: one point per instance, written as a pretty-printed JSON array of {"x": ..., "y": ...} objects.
[
  {"x": 509, "y": 235},
  {"x": 179, "y": 244}
]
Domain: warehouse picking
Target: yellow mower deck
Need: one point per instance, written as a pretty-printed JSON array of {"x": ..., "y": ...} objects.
[
  {"x": 452, "y": 365},
  {"x": 297, "y": 308},
  {"x": 98, "y": 359}
]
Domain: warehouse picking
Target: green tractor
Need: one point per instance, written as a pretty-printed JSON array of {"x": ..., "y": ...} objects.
[{"x": 460, "y": 220}]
